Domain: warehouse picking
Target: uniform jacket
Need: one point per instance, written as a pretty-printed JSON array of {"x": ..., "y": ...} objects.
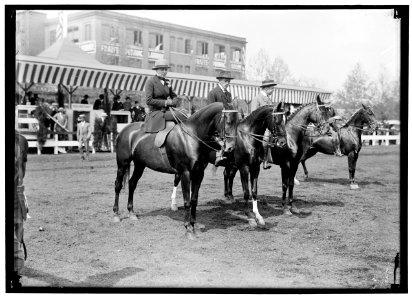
[
  {"x": 260, "y": 100},
  {"x": 217, "y": 95},
  {"x": 84, "y": 131},
  {"x": 156, "y": 96}
]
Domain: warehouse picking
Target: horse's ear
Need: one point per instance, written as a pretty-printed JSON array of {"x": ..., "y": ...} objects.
[
  {"x": 318, "y": 101},
  {"x": 363, "y": 105},
  {"x": 280, "y": 107}
]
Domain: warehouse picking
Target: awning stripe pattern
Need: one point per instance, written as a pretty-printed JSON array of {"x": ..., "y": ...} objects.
[{"x": 32, "y": 72}]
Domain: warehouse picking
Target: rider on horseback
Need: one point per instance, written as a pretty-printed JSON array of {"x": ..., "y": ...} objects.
[
  {"x": 221, "y": 94},
  {"x": 334, "y": 132},
  {"x": 159, "y": 97}
]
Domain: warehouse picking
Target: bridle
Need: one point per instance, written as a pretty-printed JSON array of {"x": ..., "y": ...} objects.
[{"x": 222, "y": 135}]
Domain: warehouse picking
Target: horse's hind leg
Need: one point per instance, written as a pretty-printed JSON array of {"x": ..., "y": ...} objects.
[
  {"x": 121, "y": 171},
  {"x": 352, "y": 159},
  {"x": 137, "y": 173},
  {"x": 173, "y": 206}
]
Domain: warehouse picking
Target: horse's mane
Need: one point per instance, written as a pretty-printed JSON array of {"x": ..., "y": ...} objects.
[
  {"x": 297, "y": 110},
  {"x": 250, "y": 118},
  {"x": 347, "y": 123}
]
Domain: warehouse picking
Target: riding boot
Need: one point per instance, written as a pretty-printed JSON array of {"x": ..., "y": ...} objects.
[{"x": 266, "y": 165}]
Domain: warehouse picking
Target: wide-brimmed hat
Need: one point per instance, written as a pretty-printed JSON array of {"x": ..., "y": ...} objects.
[
  {"x": 161, "y": 63},
  {"x": 224, "y": 75},
  {"x": 268, "y": 83}
]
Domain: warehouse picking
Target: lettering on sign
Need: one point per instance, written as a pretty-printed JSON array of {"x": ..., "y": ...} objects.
[
  {"x": 134, "y": 52},
  {"x": 110, "y": 49},
  {"x": 82, "y": 107},
  {"x": 219, "y": 64},
  {"x": 236, "y": 66},
  {"x": 202, "y": 62},
  {"x": 156, "y": 55},
  {"x": 89, "y": 46}
]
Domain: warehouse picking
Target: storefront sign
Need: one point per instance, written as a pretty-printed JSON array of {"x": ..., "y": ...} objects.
[
  {"x": 111, "y": 49},
  {"x": 89, "y": 46}
]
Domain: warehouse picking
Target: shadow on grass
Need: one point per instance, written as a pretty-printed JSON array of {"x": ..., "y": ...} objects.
[
  {"x": 341, "y": 181},
  {"x": 99, "y": 280}
]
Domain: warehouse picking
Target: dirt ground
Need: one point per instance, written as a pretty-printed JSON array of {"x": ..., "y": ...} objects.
[{"x": 348, "y": 241}]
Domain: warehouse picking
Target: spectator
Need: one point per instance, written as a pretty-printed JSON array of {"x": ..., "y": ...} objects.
[
  {"x": 116, "y": 104},
  {"x": 84, "y": 100},
  {"x": 98, "y": 104},
  {"x": 61, "y": 126},
  {"x": 127, "y": 105},
  {"x": 100, "y": 130},
  {"x": 138, "y": 112},
  {"x": 84, "y": 133},
  {"x": 32, "y": 99}
]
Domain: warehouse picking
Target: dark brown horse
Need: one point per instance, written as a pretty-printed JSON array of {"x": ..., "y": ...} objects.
[
  {"x": 350, "y": 134},
  {"x": 185, "y": 152},
  {"x": 249, "y": 153},
  {"x": 288, "y": 158}
]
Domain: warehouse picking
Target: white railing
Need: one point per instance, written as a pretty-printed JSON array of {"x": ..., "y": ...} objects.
[{"x": 381, "y": 139}]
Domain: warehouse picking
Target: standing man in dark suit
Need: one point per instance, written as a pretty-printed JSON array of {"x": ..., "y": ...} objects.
[
  {"x": 159, "y": 97},
  {"x": 221, "y": 94}
]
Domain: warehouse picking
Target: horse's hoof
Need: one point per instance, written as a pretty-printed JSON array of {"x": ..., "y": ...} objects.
[
  {"x": 116, "y": 219},
  {"x": 190, "y": 235},
  {"x": 174, "y": 207},
  {"x": 252, "y": 222},
  {"x": 294, "y": 210},
  {"x": 260, "y": 221},
  {"x": 296, "y": 182},
  {"x": 286, "y": 211},
  {"x": 133, "y": 217},
  {"x": 354, "y": 186}
]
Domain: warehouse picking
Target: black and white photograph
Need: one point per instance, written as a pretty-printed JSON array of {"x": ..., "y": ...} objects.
[{"x": 206, "y": 148}]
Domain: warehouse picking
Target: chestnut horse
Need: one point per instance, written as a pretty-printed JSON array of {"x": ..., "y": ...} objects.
[{"x": 184, "y": 152}]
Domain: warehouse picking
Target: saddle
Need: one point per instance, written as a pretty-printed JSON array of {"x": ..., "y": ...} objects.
[{"x": 162, "y": 135}]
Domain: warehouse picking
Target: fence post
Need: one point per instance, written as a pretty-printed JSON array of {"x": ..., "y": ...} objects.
[
  {"x": 374, "y": 141},
  {"x": 56, "y": 147},
  {"x": 387, "y": 139}
]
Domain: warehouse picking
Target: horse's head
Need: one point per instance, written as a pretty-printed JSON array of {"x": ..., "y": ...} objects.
[
  {"x": 228, "y": 125},
  {"x": 277, "y": 125},
  {"x": 368, "y": 117},
  {"x": 320, "y": 114}
]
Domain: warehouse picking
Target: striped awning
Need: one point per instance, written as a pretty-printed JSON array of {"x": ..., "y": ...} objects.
[{"x": 43, "y": 70}]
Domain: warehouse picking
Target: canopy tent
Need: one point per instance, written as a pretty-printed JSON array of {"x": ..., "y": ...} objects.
[{"x": 65, "y": 63}]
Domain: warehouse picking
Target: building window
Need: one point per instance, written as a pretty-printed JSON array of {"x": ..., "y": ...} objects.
[
  {"x": 110, "y": 33},
  {"x": 188, "y": 48},
  {"x": 187, "y": 69},
  {"x": 133, "y": 37},
  {"x": 172, "y": 43},
  {"x": 180, "y": 45},
  {"x": 75, "y": 40},
  {"x": 236, "y": 54},
  {"x": 172, "y": 68},
  {"x": 202, "y": 49},
  {"x": 156, "y": 41},
  {"x": 179, "y": 69},
  {"x": 52, "y": 36},
  {"x": 87, "y": 32},
  {"x": 219, "y": 52},
  {"x": 72, "y": 29}
]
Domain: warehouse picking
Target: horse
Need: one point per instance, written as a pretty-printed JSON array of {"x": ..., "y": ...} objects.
[
  {"x": 247, "y": 156},
  {"x": 249, "y": 152},
  {"x": 288, "y": 158},
  {"x": 21, "y": 148},
  {"x": 350, "y": 141},
  {"x": 184, "y": 152}
]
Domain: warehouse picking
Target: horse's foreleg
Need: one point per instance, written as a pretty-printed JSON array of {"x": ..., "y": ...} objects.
[
  {"x": 254, "y": 175},
  {"x": 308, "y": 154},
  {"x": 196, "y": 181},
  {"x": 352, "y": 159},
  {"x": 292, "y": 175},
  {"x": 185, "y": 184},
  {"x": 244, "y": 177},
  {"x": 285, "y": 185},
  {"x": 137, "y": 173},
  {"x": 229, "y": 174},
  {"x": 173, "y": 206}
]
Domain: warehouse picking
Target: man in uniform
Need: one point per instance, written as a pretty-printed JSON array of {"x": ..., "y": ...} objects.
[{"x": 261, "y": 99}]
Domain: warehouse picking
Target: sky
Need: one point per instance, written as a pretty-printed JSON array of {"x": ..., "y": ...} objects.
[{"x": 322, "y": 45}]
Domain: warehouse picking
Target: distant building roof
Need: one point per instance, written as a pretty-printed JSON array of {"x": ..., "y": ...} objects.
[{"x": 65, "y": 50}]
